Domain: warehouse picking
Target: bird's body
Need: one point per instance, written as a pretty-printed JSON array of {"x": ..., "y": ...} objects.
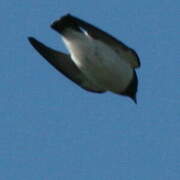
[{"x": 97, "y": 62}]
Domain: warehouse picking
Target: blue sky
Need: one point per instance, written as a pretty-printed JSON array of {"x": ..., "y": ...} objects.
[{"x": 52, "y": 129}]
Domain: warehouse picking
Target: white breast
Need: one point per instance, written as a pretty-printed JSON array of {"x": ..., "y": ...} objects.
[{"x": 98, "y": 61}]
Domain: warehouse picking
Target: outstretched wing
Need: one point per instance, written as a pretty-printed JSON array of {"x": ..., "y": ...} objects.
[
  {"x": 97, "y": 33},
  {"x": 63, "y": 63}
]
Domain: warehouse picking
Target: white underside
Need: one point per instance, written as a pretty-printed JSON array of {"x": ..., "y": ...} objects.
[{"x": 100, "y": 64}]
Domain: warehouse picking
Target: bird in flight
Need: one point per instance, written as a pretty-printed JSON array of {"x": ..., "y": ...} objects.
[{"x": 97, "y": 61}]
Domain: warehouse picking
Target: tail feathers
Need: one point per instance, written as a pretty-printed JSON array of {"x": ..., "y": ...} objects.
[{"x": 65, "y": 23}]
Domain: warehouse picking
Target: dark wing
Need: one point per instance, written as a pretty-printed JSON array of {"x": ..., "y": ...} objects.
[
  {"x": 108, "y": 39},
  {"x": 63, "y": 63}
]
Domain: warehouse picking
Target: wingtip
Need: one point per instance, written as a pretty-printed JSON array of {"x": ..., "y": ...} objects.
[
  {"x": 134, "y": 98},
  {"x": 31, "y": 39},
  {"x": 60, "y": 24},
  {"x": 68, "y": 15},
  {"x": 36, "y": 44}
]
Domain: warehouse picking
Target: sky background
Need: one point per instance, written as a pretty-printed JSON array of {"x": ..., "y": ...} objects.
[{"x": 50, "y": 129}]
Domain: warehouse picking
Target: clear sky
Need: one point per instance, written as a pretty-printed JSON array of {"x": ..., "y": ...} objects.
[{"x": 50, "y": 129}]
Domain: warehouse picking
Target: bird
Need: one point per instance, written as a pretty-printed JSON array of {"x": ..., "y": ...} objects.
[{"x": 97, "y": 61}]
